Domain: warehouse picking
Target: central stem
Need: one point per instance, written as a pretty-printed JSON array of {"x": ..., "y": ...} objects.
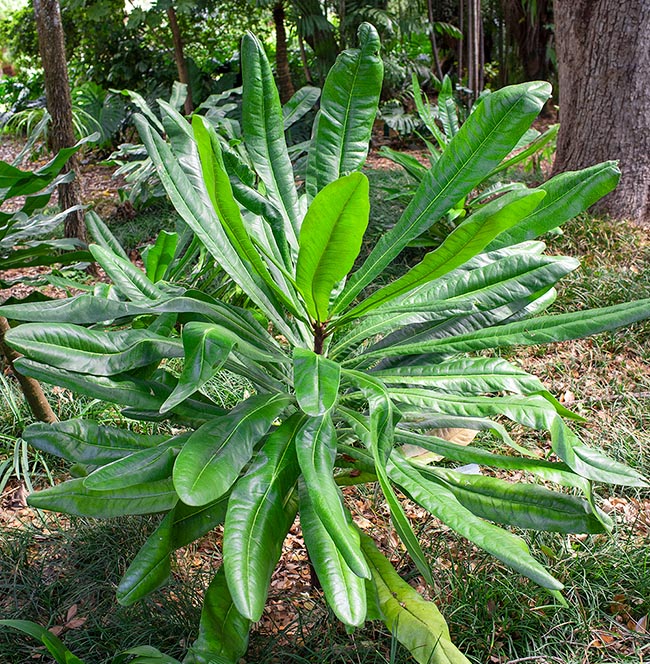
[{"x": 319, "y": 337}]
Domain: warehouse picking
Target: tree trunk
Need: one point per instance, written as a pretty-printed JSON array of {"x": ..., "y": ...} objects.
[
  {"x": 474, "y": 48},
  {"x": 179, "y": 57},
  {"x": 285, "y": 85},
  {"x": 59, "y": 105},
  {"x": 318, "y": 32},
  {"x": 31, "y": 388},
  {"x": 603, "y": 52},
  {"x": 432, "y": 39},
  {"x": 529, "y": 28}
]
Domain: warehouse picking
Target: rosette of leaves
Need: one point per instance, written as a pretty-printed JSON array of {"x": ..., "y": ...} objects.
[{"x": 349, "y": 379}]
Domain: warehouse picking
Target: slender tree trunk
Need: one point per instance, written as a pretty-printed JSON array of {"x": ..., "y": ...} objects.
[
  {"x": 461, "y": 42},
  {"x": 31, "y": 388},
  {"x": 285, "y": 85},
  {"x": 321, "y": 38},
  {"x": 603, "y": 49},
  {"x": 179, "y": 56},
  {"x": 303, "y": 59},
  {"x": 59, "y": 105},
  {"x": 474, "y": 50},
  {"x": 432, "y": 38}
]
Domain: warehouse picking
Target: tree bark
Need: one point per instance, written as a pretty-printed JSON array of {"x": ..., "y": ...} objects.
[
  {"x": 432, "y": 39},
  {"x": 31, "y": 388},
  {"x": 603, "y": 52},
  {"x": 285, "y": 85},
  {"x": 179, "y": 57},
  {"x": 59, "y": 105}
]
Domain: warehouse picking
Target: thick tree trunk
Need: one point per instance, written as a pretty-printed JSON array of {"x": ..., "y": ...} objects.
[
  {"x": 59, "y": 106},
  {"x": 31, "y": 388},
  {"x": 179, "y": 57},
  {"x": 603, "y": 49},
  {"x": 285, "y": 85}
]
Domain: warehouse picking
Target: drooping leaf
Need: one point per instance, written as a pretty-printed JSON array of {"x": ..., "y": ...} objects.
[
  {"x": 415, "y": 623},
  {"x": 216, "y": 452},
  {"x": 316, "y": 450},
  {"x": 344, "y": 590},
  {"x": 259, "y": 516},
  {"x": 316, "y": 381},
  {"x": 54, "y": 645}
]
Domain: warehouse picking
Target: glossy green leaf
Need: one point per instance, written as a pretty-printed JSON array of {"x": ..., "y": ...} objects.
[
  {"x": 89, "y": 351},
  {"x": 206, "y": 348},
  {"x": 415, "y": 623},
  {"x": 102, "y": 235},
  {"x": 528, "y": 150},
  {"x": 149, "y": 465},
  {"x": 216, "y": 452},
  {"x": 463, "y": 243},
  {"x": 485, "y": 139},
  {"x": 86, "y": 442},
  {"x": 316, "y": 381},
  {"x": 126, "y": 277},
  {"x": 409, "y": 163},
  {"x": 150, "y": 569},
  {"x": 259, "y": 517},
  {"x": 148, "y": 655},
  {"x": 223, "y": 631},
  {"x": 532, "y": 332},
  {"x": 316, "y": 450},
  {"x": 442, "y": 503},
  {"x": 219, "y": 189},
  {"x": 159, "y": 256},
  {"x": 191, "y": 523},
  {"x": 72, "y": 497},
  {"x": 54, "y": 645},
  {"x": 263, "y": 128},
  {"x": 347, "y": 113},
  {"x": 447, "y": 109},
  {"x": 567, "y": 195},
  {"x": 344, "y": 591},
  {"x": 330, "y": 240},
  {"x": 517, "y": 504},
  {"x": 301, "y": 103}
]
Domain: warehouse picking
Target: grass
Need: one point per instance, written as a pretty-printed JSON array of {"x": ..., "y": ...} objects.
[{"x": 495, "y": 616}]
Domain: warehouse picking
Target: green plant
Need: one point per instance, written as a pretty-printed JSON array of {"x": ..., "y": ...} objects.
[
  {"x": 443, "y": 122},
  {"x": 349, "y": 379},
  {"x": 22, "y": 230}
]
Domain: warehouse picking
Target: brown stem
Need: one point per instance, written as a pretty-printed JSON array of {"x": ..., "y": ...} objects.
[
  {"x": 320, "y": 333},
  {"x": 179, "y": 56},
  {"x": 31, "y": 388}
]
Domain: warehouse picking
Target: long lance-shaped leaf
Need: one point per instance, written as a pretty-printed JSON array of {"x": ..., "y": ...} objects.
[
  {"x": 316, "y": 451},
  {"x": 415, "y": 623},
  {"x": 54, "y": 645},
  {"x": 425, "y": 112},
  {"x": 259, "y": 517},
  {"x": 206, "y": 349},
  {"x": 127, "y": 278},
  {"x": 528, "y": 150},
  {"x": 485, "y": 139},
  {"x": 88, "y": 351},
  {"x": 410, "y": 164},
  {"x": 87, "y": 310},
  {"x": 532, "y": 332},
  {"x": 143, "y": 466},
  {"x": 522, "y": 505},
  {"x": 347, "y": 113},
  {"x": 141, "y": 395},
  {"x": 316, "y": 381},
  {"x": 486, "y": 287},
  {"x": 301, "y": 103},
  {"x": 215, "y": 454},
  {"x": 72, "y": 497},
  {"x": 330, "y": 240},
  {"x": 556, "y": 472},
  {"x": 465, "y": 242},
  {"x": 344, "y": 590},
  {"x": 567, "y": 195},
  {"x": 377, "y": 433},
  {"x": 159, "y": 256},
  {"x": 447, "y": 109},
  {"x": 263, "y": 129},
  {"x": 86, "y": 442},
  {"x": 205, "y": 224},
  {"x": 102, "y": 235},
  {"x": 442, "y": 503},
  {"x": 151, "y": 567},
  {"x": 589, "y": 462},
  {"x": 223, "y": 631},
  {"x": 217, "y": 183}
]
